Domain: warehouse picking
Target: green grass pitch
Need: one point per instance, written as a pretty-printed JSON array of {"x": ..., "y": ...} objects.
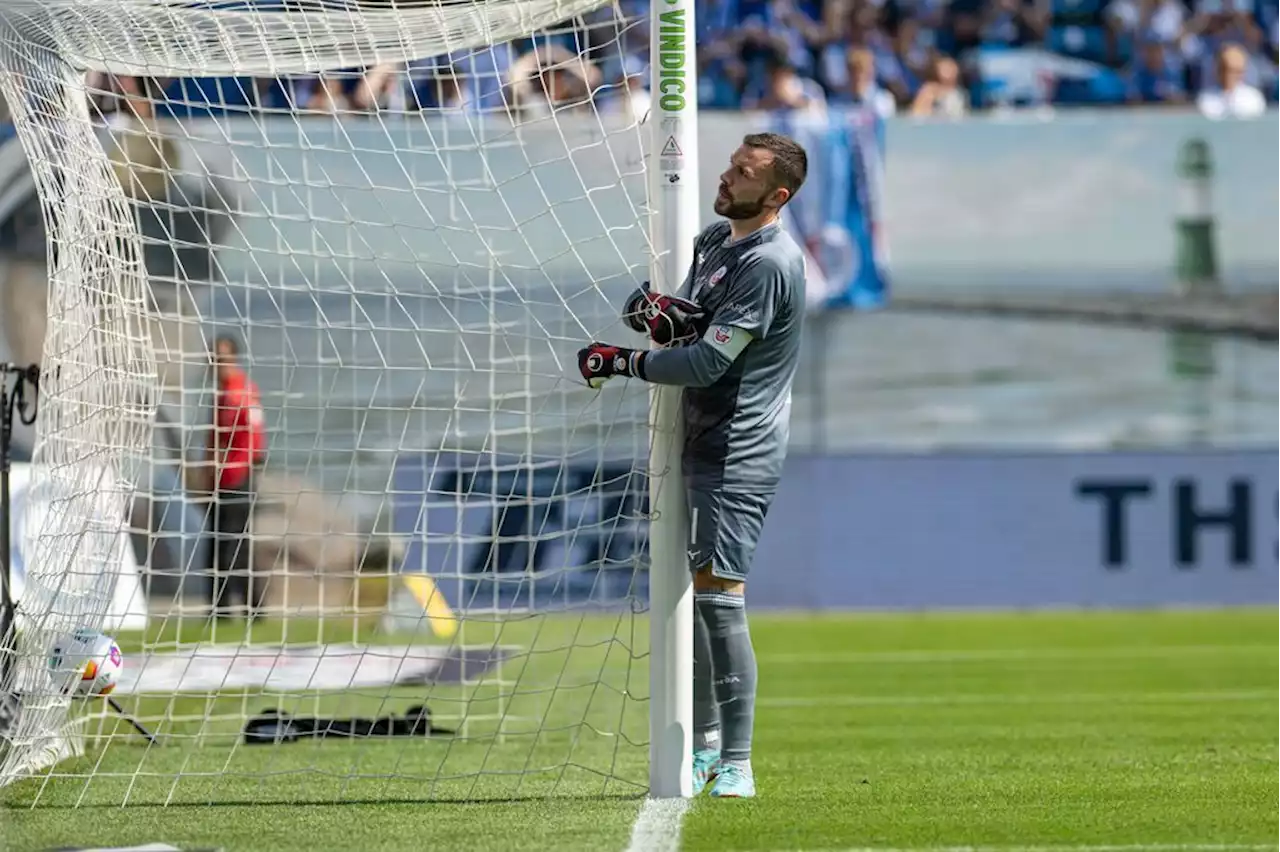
[{"x": 1137, "y": 730}]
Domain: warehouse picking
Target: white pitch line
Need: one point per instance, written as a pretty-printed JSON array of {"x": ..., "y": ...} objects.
[
  {"x": 657, "y": 827},
  {"x": 1210, "y": 697},
  {"x": 981, "y": 655}
]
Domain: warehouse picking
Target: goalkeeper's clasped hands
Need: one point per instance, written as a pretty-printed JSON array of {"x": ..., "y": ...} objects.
[{"x": 668, "y": 320}]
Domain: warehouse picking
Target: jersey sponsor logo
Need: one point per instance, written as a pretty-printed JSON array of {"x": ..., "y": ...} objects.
[
  {"x": 722, "y": 334},
  {"x": 745, "y": 313},
  {"x": 717, "y": 276}
]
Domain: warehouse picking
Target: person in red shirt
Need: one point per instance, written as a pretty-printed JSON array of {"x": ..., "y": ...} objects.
[{"x": 238, "y": 448}]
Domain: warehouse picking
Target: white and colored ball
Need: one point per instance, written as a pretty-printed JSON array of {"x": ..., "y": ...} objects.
[{"x": 86, "y": 662}]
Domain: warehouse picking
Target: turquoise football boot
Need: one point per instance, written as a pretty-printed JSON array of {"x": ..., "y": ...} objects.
[
  {"x": 705, "y": 764},
  {"x": 733, "y": 782}
]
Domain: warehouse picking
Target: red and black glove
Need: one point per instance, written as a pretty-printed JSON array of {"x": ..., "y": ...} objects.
[
  {"x": 666, "y": 319},
  {"x": 599, "y": 362}
]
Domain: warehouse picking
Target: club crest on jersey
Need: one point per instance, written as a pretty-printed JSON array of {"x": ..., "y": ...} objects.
[{"x": 717, "y": 276}]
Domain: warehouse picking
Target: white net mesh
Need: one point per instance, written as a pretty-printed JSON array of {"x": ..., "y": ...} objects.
[{"x": 409, "y": 218}]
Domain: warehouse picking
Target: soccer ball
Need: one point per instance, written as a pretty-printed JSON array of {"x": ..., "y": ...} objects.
[{"x": 86, "y": 662}]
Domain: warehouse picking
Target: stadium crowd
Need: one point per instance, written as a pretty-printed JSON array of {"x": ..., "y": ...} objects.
[{"x": 919, "y": 57}]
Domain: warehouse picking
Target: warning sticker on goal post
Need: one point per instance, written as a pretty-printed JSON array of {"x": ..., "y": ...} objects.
[
  {"x": 672, "y": 92},
  {"x": 671, "y": 160},
  {"x": 215, "y": 668}
]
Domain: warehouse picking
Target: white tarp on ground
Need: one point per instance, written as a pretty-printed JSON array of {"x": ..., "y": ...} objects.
[{"x": 217, "y": 668}]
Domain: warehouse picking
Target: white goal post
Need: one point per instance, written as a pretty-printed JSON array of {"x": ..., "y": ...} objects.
[
  {"x": 408, "y": 216},
  {"x": 673, "y": 156}
]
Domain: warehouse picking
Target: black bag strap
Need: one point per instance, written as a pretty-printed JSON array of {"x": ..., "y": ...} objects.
[{"x": 272, "y": 726}]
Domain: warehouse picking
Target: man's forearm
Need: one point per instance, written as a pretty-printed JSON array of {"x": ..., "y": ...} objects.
[{"x": 696, "y": 366}]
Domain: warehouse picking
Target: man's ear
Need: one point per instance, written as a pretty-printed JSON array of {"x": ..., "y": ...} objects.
[{"x": 779, "y": 197}]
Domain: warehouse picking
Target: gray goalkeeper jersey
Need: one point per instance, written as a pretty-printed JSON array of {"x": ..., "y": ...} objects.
[{"x": 736, "y": 430}]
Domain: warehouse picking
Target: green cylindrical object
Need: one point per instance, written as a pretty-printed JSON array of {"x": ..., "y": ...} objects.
[
  {"x": 1191, "y": 354},
  {"x": 1197, "y": 257}
]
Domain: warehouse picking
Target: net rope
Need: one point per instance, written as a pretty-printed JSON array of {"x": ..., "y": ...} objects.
[{"x": 409, "y": 278}]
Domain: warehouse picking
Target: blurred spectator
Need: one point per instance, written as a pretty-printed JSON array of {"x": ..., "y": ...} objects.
[
  {"x": 351, "y": 90},
  {"x": 631, "y": 96},
  {"x": 1144, "y": 21},
  {"x": 997, "y": 23},
  {"x": 784, "y": 88},
  {"x": 913, "y": 53},
  {"x": 481, "y": 74},
  {"x": 551, "y": 79},
  {"x": 861, "y": 29},
  {"x": 801, "y": 20},
  {"x": 121, "y": 100},
  {"x": 1232, "y": 97},
  {"x": 1215, "y": 24},
  {"x": 779, "y": 25},
  {"x": 1077, "y": 28},
  {"x": 930, "y": 17},
  {"x": 1157, "y": 77},
  {"x": 908, "y": 55},
  {"x": 1269, "y": 20},
  {"x": 721, "y": 72},
  {"x": 942, "y": 95},
  {"x": 862, "y": 88},
  {"x": 237, "y": 448},
  {"x": 443, "y": 89}
]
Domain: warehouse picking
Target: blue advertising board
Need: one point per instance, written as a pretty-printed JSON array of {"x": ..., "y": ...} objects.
[{"x": 1120, "y": 529}]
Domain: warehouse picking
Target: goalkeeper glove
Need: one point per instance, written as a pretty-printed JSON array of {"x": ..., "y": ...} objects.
[
  {"x": 599, "y": 362},
  {"x": 666, "y": 319}
]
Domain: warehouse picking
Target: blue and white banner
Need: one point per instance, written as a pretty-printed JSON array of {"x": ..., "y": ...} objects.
[
  {"x": 1032, "y": 76},
  {"x": 112, "y": 569},
  {"x": 839, "y": 214}
]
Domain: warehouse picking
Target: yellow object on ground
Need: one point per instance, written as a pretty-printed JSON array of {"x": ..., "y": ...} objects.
[
  {"x": 372, "y": 599},
  {"x": 443, "y": 621}
]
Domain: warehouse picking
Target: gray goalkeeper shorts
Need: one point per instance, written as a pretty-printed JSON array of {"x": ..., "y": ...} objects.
[{"x": 724, "y": 529}]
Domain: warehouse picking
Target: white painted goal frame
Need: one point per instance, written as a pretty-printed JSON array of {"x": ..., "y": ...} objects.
[
  {"x": 673, "y": 175},
  {"x": 42, "y": 40}
]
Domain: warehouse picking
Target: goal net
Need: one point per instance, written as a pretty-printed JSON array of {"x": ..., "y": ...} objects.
[{"x": 406, "y": 218}]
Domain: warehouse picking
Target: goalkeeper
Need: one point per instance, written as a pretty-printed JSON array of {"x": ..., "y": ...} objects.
[{"x": 734, "y": 330}]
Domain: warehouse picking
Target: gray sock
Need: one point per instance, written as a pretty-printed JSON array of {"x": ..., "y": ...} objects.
[
  {"x": 734, "y": 662},
  {"x": 706, "y": 717}
]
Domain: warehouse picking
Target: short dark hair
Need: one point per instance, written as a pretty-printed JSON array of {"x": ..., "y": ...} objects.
[
  {"x": 790, "y": 162},
  {"x": 229, "y": 342}
]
